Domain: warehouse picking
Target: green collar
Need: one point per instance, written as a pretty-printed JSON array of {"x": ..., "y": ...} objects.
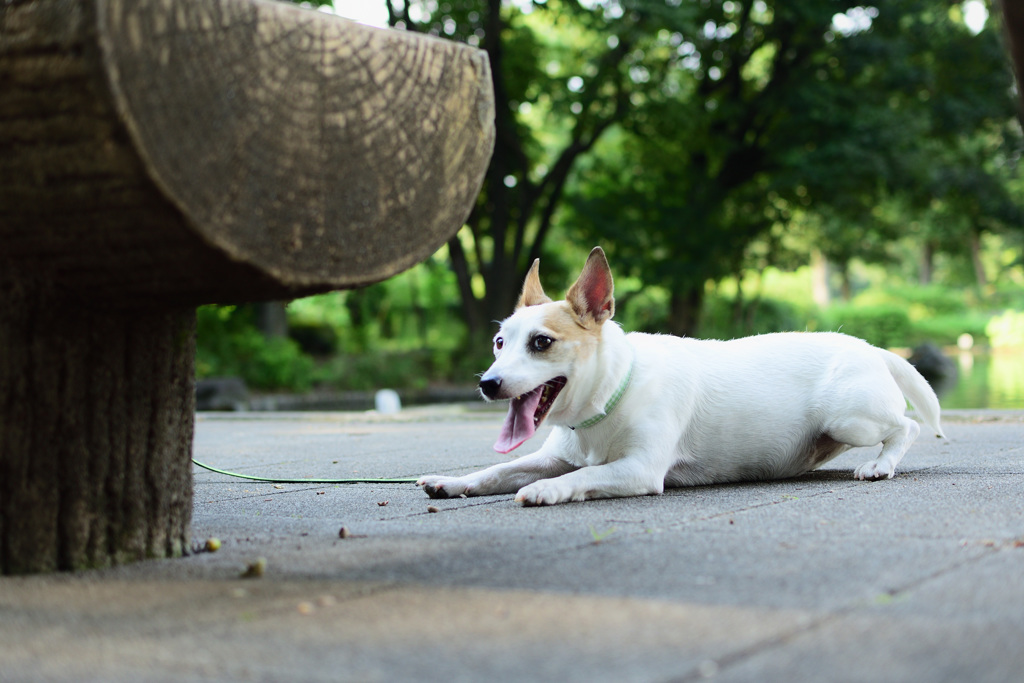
[{"x": 613, "y": 401}]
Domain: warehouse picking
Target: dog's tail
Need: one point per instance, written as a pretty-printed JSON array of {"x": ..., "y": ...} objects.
[{"x": 916, "y": 389}]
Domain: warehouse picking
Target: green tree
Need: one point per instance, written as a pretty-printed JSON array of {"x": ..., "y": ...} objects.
[
  {"x": 773, "y": 108},
  {"x": 946, "y": 98},
  {"x": 564, "y": 73}
]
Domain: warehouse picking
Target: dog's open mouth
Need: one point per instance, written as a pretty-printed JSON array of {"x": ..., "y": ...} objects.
[{"x": 525, "y": 413}]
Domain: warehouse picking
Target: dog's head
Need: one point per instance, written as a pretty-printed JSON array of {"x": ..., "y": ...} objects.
[{"x": 543, "y": 345}]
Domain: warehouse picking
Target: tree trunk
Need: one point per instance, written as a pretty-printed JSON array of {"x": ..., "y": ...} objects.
[
  {"x": 470, "y": 304},
  {"x": 272, "y": 319},
  {"x": 738, "y": 304},
  {"x": 1013, "y": 20},
  {"x": 846, "y": 285},
  {"x": 96, "y": 418},
  {"x": 924, "y": 275},
  {"x": 684, "y": 311},
  {"x": 503, "y": 284},
  {"x": 819, "y": 278},
  {"x": 979, "y": 267}
]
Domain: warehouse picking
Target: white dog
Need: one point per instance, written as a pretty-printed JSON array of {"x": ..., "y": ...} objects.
[{"x": 634, "y": 413}]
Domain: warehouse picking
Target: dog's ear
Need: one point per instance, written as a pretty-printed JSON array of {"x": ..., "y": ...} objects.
[
  {"x": 532, "y": 294},
  {"x": 591, "y": 296}
]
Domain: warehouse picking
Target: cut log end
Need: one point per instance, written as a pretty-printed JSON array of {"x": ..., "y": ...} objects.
[
  {"x": 323, "y": 152},
  {"x": 231, "y": 150}
]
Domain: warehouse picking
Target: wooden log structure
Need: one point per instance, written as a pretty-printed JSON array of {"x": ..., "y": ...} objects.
[
  {"x": 156, "y": 155},
  {"x": 1013, "y": 31}
]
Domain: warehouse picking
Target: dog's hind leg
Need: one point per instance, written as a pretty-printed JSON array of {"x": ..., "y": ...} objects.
[{"x": 893, "y": 448}]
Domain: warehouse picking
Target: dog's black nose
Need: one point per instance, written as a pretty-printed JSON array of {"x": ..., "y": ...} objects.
[{"x": 490, "y": 387}]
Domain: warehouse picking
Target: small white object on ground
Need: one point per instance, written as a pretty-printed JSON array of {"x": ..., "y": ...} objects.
[{"x": 387, "y": 401}]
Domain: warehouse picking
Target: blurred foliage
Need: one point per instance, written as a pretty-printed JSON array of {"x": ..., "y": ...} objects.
[
  {"x": 835, "y": 126},
  {"x": 228, "y": 344},
  {"x": 402, "y": 347},
  {"x": 881, "y": 325},
  {"x": 711, "y": 148},
  {"x": 724, "y": 318},
  {"x": 406, "y": 332},
  {"x": 1006, "y": 330}
]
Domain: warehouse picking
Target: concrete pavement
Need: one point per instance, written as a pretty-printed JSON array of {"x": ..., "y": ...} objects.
[{"x": 920, "y": 578}]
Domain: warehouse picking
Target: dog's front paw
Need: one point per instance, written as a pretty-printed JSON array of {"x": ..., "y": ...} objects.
[
  {"x": 443, "y": 487},
  {"x": 545, "y": 492},
  {"x": 874, "y": 471}
]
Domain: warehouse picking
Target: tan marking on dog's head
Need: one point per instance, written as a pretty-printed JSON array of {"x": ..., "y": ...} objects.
[
  {"x": 575, "y": 322},
  {"x": 573, "y": 336}
]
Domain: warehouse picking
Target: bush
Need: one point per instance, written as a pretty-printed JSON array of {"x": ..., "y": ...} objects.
[
  {"x": 643, "y": 310},
  {"x": 946, "y": 329},
  {"x": 316, "y": 339},
  {"x": 918, "y": 300},
  {"x": 372, "y": 371},
  {"x": 936, "y": 313},
  {"x": 882, "y": 325},
  {"x": 1006, "y": 296},
  {"x": 403, "y": 369},
  {"x": 229, "y": 345},
  {"x": 721, "y": 320}
]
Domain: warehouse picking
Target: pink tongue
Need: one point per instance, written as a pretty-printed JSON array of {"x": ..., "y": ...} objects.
[{"x": 519, "y": 425}]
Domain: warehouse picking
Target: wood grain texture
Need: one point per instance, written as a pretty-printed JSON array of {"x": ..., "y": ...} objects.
[
  {"x": 160, "y": 154},
  {"x": 230, "y": 150},
  {"x": 314, "y": 147},
  {"x": 1013, "y": 27},
  {"x": 96, "y": 422}
]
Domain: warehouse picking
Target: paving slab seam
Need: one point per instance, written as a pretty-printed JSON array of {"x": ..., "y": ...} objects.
[
  {"x": 784, "y": 498},
  {"x": 467, "y": 503},
  {"x": 463, "y": 503},
  {"x": 681, "y": 524},
  {"x": 713, "y": 667},
  {"x": 710, "y": 668},
  {"x": 807, "y": 626}
]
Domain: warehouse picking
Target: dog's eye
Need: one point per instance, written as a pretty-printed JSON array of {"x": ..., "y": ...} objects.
[
  {"x": 498, "y": 343},
  {"x": 541, "y": 343}
]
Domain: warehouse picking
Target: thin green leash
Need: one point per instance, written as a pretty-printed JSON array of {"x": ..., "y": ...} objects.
[{"x": 278, "y": 480}]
